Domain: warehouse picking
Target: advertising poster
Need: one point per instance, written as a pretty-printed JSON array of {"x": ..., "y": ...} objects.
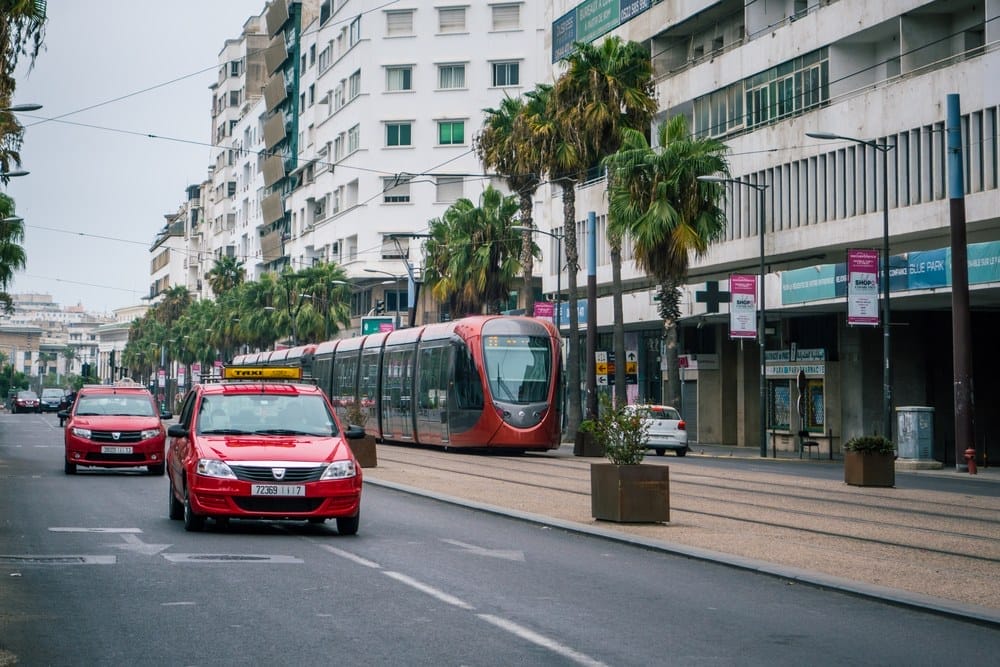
[
  {"x": 862, "y": 287},
  {"x": 743, "y": 307}
]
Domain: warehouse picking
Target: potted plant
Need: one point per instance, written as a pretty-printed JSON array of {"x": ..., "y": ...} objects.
[
  {"x": 363, "y": 448},
  {"x": 624, "y": 490},
  {"x": 586, "y": 443},
  {"x": 870, "y": 460}
]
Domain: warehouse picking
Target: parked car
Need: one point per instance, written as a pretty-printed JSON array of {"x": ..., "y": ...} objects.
[
  {"x": 666, "y": 429},
  {"x": 53, "y": 399},
  {"x": 114, "y": 426},
  {"x": 26, "y": 401}
]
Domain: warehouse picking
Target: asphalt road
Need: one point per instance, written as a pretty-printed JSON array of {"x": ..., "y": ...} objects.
[{"x": 93, "y": 573}]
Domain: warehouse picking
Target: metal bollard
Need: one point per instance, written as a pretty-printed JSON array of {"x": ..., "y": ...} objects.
[{"x": 970, "y": 458}]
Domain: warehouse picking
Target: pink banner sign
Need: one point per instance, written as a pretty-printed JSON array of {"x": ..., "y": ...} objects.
[
  {"x": 862, "y": 287},
  {"x": 743, "y": 306}
]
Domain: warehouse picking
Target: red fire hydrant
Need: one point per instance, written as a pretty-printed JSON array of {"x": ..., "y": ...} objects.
[{"x": 970, "y": 458}]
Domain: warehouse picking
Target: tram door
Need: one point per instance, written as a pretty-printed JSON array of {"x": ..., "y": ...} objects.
[
  {"x": 433, "y": 364},
  {"x": 397, "y": 393}
]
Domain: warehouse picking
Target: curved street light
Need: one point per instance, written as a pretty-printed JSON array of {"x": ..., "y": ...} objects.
[
  {"x": 17, "y": 108},
  {"x": 559, "y": 239},
  {"x": 395, "y": 280}
]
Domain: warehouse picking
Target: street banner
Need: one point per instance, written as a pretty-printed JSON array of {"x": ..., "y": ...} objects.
[
  {"x": 181, "y": 376},
  {"x": 546, "y": 310},
  {"x": 862, "y": 287},
  {"x": 743, "y": 306}
]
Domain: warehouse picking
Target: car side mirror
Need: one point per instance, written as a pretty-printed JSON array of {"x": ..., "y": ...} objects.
[
  {"x": 63, "y": 414},
  {"x": 177, "y": 431},
  {"x": 166, "y": 415},
  {"x": 355, "y": 432}
]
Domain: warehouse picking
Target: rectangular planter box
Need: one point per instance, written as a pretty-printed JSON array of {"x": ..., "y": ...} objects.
[
  {"x": 586, "y": 445},
  {"x": 864, "y": 469},
  {"x": 364, "y": 451},
  {"x": 630, "y": 494}
]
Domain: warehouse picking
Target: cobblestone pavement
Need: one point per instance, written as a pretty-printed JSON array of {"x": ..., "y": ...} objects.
[{"x": 932, "y": 549}]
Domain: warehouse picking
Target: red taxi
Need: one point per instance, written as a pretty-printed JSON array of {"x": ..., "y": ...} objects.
[
  {"x": 256, "y": 446},
  {"x": 114, "y": 426}
]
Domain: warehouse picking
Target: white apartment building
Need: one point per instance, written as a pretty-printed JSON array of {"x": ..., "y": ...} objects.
[{"x": 759, "y": 76}]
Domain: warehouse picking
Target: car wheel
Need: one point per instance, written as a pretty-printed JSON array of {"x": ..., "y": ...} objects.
[
  {"x": 156, "y": 470},
  {"x": 192, "y": 522},
  {"x": 69, "y": 467},
  {"x": 681, "y": 452},
  {"x": 175, "y": 507},
  {"x": 348, "y": 525},
  {"x": 660, "y": 451}
]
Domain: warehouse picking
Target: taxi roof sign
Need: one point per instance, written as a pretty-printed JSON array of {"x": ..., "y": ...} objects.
[{"x": 262, "y": 373}]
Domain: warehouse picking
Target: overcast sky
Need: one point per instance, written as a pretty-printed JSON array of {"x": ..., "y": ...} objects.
[{"x": 99, "y": 185}]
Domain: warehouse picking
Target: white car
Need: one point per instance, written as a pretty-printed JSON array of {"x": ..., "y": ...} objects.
[{"x": 666, "y": 428}]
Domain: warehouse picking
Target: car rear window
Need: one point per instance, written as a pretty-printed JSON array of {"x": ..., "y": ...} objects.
[{"x": 662, "y": 413}]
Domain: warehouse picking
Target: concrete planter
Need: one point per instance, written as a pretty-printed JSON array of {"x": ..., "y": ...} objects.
[
  {"x": 364, "y": 451},
  {"x": 867, "y": 469},
  {"x": 630, "y": 493}
]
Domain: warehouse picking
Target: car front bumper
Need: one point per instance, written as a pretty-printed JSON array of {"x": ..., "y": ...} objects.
[{"x": 327, "y": 499}]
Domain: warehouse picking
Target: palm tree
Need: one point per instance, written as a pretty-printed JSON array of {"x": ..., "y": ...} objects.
[
  {"x": 22, "y": 31},
  {"x": 505, "y": 145},
  {"x": 12, "y": 255},
  {"x": 175, "y": 301},
  {"x": 657, "y": 199},
  {"x": 225, "y": 274},
  {"x": 613, "y": 88},
  {"x": 472, "y": 255}
]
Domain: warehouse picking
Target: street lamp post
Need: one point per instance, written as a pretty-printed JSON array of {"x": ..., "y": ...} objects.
[
  {"x": 395, "y": 281},
  {"x": 762, "y": 318},
  {"x": 559, "y": 238},
  {"x": 883, "y": 148}
]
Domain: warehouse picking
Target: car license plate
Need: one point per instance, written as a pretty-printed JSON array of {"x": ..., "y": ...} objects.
[
  {"x": 278, "y": 490},
  {"x": 116, "y": 450}
]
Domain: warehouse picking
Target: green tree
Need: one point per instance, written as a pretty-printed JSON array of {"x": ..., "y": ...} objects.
[
  {"x": 225, "y": 274},
  {"x": 605, "y": 89},
  {"x": 472, "y": 254},
  {"x": 12, "y": 255},
  {"x": 22, "y": 31},
  {"x": 505, "y": 145},
  {"x": 657, "y": 199},
  {"x": 173, "y": 304}
]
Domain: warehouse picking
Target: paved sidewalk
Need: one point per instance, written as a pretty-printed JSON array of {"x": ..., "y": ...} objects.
[{"x": 553, "y": 490}]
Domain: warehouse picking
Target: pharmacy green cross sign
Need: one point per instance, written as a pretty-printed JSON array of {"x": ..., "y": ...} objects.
[{"x": 712, "y": 296}]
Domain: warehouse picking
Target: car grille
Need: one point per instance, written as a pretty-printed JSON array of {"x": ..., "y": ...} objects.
[
  {"x": 123, "y": 436},
  {"x": 266, "y": 474},
  {"x": 278, "y": 505},
  {"x": 117, "y": 458}
]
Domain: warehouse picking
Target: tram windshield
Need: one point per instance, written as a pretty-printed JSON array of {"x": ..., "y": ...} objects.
[{"x": 518, "y": 368}]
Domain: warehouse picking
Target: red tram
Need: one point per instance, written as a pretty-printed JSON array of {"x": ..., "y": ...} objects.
[{"x": 489, "y": 382}]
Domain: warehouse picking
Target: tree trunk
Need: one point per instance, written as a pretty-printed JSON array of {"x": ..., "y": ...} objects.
[
  {"x": 573, "y": 404},
  {"x": 527, "y": 260},
  {"x": 621, "y": 390}
]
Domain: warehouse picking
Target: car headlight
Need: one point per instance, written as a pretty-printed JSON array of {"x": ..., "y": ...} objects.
[
  {"x": 215, "y": 468},
  {"x": 339, "y": 470},
  {"x": 81, "y": 432},
  {"x": 150, "y": 433}
]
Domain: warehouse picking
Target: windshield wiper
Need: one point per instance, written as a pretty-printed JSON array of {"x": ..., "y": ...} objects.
[
  {"x": 225, "y": 431},
  {"x": 280, "y": 431}
]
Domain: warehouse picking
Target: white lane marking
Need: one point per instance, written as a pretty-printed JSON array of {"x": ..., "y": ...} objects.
[
  {"x": 352, "y": 557},
  {"x": 96, "y": 530},
  {"x": 178, "y": 604},
  {"x": 541, "y": 640},
  {"x": 429, "y": 590},
  {"x": 505, "y": 554},
  {"x": 57, "y": 559},
  {"x": 133, "y": 543}
]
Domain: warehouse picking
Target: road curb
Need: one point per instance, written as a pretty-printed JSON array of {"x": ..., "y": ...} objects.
[{"x": 926, "y": 603}]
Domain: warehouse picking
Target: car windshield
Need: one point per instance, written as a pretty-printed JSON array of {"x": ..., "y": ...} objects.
[
  {"x": 27, "y": 394},
  {"x": 115, "y": 404},
  {"x": 52, "y": 393},
  {"x": 265, "y": 414}
]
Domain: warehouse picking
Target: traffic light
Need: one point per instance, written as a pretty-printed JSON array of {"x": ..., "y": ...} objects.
[
  {"x": 85, "y": 370},
  {"x": 379, "y": 306}
]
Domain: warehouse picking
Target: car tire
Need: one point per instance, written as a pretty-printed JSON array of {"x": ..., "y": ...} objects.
[
  {"x": 660, "y": 451},
  {"x": 175, "y": 508},
  {"x": 192, "y": 522},
  {"x": 681, "y": 452},
  {"x": 156, "y": 470},
  {"x": 348, "y": 525},
  {"x": 69, "y": 467}
]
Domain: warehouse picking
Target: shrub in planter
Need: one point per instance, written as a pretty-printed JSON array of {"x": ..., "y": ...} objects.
[
  {"x": 869, "y": 460},
  {"x": 363, "y": 448}
]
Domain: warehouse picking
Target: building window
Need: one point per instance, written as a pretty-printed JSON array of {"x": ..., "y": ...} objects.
[
  {"x": 234, "y": 98},
  {"x": 338, "y": 148},
  {"x": 234, "y": 68},
  {"x": 353, "y": 139},
  {"x": 338, "y": 96},
  {"x": 312, "y": 94},
  {"x": 396, "y": 189},
  {"x": 354, "y": 85},
  {"x": 506, "y": 17},
  {"x": 397, "y": 134},
  {"x": 451, "y": 76},
  {"x": 398, "y": 78},
  {"x": 356, "y": 30},
  {"x": 451, "y": 19},
  {"x": 325, "y": 58},
  {"x": 451, "y": 132},
  {"x": 506, "y": 74},
  {"x": 449, "y": 188},
  {"x": 399, "y": 24}
]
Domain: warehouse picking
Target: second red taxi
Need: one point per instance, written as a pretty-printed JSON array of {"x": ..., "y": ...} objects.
[{"x": 258, "y": 446}]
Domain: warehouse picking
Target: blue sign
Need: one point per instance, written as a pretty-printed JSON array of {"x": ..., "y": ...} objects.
[{"x": 581, "y": 313}]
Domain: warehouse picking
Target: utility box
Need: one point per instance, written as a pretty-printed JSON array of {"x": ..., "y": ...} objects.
[{"x": 915, "y": 431}]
